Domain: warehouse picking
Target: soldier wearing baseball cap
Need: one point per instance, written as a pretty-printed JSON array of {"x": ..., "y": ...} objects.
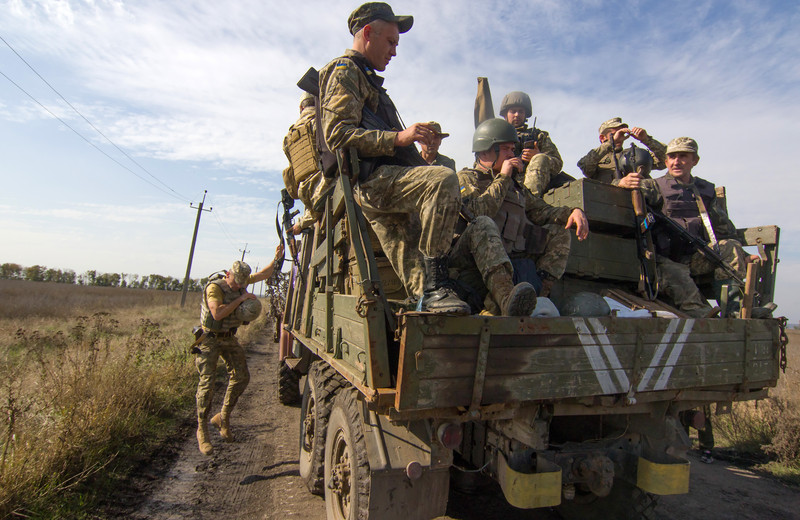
[
  {"x": 599, "y": 163},
  {"x": 220, "y": 317},
  {"x": 395, "y": 183},
  {"x": 430, "y": 150},
  {"x": 692, "y": 202}
]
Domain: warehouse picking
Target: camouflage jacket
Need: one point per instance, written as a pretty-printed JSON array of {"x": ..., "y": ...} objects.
[
  {"x": 546, "y": 145},
  {"x": 598, "y": 164},
  {"x": 345, "y": 90},
  {"x": 487, "y": 201},
  {"x": 443, "y": 160},
  {"x": 723, "y": 227}
]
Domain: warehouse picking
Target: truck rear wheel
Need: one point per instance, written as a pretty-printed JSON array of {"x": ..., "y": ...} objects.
[
  {"x": 321, "y": 385},
  {"x": 347, "y": 474},
  {"x": 288, "y": 384},
  {"x": 625, "y": 502}
]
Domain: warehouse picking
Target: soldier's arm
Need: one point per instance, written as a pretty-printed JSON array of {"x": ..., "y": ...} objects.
[
  {"x": 220, "y": 311},
  {"x": 486, "y": 203},
  {"x": 721, "y": 222},
  {"x": 266, "y": 272},
  {"x": 658, "y": 150},
  {"x": 588, "y": 164},
  {"x": 343, "y": 98},
  {"x": 547, "y": 147},
  {"x": 540, "y": 212}
]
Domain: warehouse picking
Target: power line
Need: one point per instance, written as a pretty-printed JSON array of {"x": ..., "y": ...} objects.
[
  {"x": 219, "y": 221},
  {"x": 174, "y": 193}
]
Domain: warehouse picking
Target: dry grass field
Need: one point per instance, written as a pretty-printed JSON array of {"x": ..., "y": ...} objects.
[{"x": 93, "y": 379}]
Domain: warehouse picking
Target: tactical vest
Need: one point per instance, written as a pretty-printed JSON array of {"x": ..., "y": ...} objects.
[
  {"x": 228, "y": 295},
  {"x": 680, "y": 205},
  {"x": 520, "y": 236},
  {"x": 385, "y": 118},
  {"x": 301, "y": 149}
]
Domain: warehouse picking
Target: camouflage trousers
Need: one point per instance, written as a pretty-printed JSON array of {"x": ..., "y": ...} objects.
[
  {"x": 675, "y": 281},
  {"x": 310, "y": 192},
  {"x": 206, "y": 362},
  {"x": 413, "y": 211},
  {"x": 477, "y": 253},
  {"x": 556, "y": 251},
  {"x": 539, "y": 172},
  {"x": 731, "y": 251}
]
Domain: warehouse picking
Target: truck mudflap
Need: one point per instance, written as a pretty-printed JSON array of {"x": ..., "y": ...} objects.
[
  {"x": 530, "y": 490},
  {"x": 670, "y": 477}
]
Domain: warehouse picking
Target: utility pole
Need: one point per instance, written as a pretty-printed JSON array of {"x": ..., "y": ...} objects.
[
  {"x": 191, "y": 250},
  {"x": 244, "y": 251}
]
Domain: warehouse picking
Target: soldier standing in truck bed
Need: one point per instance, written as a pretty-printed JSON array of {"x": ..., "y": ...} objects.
[
  {"x": 541, "y": 160},
  {"x": 599, "y": 164},
  {"x": 691, "y": 202},
  {"x": 538, "y": 254}
]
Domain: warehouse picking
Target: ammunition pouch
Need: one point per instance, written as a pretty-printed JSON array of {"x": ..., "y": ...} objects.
[{"x": 302, "y": 151}]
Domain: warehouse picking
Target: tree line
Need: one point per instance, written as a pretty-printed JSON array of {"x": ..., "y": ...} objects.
[{"x": 40, "y": 273}]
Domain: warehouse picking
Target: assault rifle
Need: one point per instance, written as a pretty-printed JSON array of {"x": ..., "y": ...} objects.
[
  {"x": 697, "y": 243},
  {"x": 288, "y": 203},
  {"x": 645, "y": 247}
]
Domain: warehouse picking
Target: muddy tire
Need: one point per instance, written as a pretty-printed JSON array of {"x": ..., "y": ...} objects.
[
  {"x": 347, "y": 474},
  {"x": 625, "y": 502},
  {"x": 321, "y": 386},
  {"x": 288, "y": 384}
]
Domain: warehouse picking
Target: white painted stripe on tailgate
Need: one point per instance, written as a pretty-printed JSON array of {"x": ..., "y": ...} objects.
[
  {"x": 663, "y": 379},
  {"x": 611, "y": 354},
  {"x": 595, "y": 356},
  {"x": 662, "y": 347}
]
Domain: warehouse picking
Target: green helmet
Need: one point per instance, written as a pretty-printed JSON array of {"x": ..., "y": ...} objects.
[
  {"x": 517, "y": 99},
  {"x": 248, "y": 310},
  {"x": 491, "y": 132}
]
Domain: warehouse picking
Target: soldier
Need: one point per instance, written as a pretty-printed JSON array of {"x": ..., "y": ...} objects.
[
  {"x": 412, "y": 207},
  {"x": 221, "y": 313},
  {"x": 302, "y": 178},
  {"x": 540, "y": 157},
  {"x": 489, "y": 189},
  {"x": 691, "y": 202},
  {"x": 430, "y": 151},
  {"x": 599, "y": 164}
]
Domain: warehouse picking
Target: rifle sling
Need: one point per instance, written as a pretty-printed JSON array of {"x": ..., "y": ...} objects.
[{"x": 712, "y": 238}]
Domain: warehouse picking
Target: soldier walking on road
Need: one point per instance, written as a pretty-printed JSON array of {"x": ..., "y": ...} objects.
[{"x": 226, "y": 305}]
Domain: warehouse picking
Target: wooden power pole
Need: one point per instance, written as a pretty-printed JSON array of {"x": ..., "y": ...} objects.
[{"x": 191, "y": 250}]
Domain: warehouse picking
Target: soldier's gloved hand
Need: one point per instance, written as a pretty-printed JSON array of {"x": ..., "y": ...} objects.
[
  {"x": 632, "y": 181},
  {"x": 578, "y": 219}
]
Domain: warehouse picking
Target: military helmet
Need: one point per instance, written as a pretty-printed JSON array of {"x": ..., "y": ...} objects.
[
  {"x": 491, "y": 132},
  {"x": 248, "y": 310},
  {"x": 516, "y": 99},
  {"x": 634, "y": 158},
  {"x": 587, "y": 304}
]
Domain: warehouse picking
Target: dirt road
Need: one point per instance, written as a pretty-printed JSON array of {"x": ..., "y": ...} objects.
[{"x": 256, "y": 477}]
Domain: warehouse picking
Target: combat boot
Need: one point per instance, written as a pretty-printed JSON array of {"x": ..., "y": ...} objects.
[
  {"x": 221, "y": 421},
  {"x": 202, "y": 438},
  {"x": 514, "y": 300},
  {"x": 437, "y": 296}
]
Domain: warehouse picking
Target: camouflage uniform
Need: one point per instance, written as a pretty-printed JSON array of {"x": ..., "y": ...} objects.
[
  {"x": 485, "y": 193},
  {"x": 310, "y": 188},
  {"x": 543, "y": 166},
  {"x": 598, "y": 164},
  {"x": 394, "y": 194},
  {"x": 220, "y": 342},
  {"x": 443, "y": 160}
]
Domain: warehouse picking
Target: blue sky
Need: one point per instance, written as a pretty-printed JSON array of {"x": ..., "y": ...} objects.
[{"x": 200, "y": 94}]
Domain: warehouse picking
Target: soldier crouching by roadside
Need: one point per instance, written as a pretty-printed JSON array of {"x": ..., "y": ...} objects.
[{"x": 225, "y": 306}]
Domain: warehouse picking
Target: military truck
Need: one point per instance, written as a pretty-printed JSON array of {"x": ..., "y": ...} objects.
[{"x": 579, "y": 412}]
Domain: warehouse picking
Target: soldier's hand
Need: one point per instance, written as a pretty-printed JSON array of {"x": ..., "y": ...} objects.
[
  {"x": 578, "y": 219},
  {"x": 639, "y": 133},
  {"x": 416, "y": 133},
  {"x": 620, "y": 136},
  {"x": 632, "y": 181},
  {"x": 529, "y": 153},
  {"x": 296, "y": 229},
  {"x": 511, "y": 165}
]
